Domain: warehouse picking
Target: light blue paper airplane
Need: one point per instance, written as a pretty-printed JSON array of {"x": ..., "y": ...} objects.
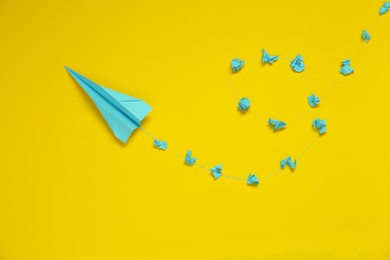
[
  {"x": 268, "y": 58},
  {"x": 252, "y": 179},
  {"x": 162, "y": 145},
  {"x": 122, "y": 113},
  {"x": 288, "y": 161},
  {"x": 276, "y": 124},
  {"x": 385, "y": 8}
]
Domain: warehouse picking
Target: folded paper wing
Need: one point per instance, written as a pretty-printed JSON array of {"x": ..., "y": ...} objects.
[{"x": 122, "y": 113}]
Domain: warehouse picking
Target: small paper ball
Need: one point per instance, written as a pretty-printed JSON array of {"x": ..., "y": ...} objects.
[{"x": 244, "y": 104}]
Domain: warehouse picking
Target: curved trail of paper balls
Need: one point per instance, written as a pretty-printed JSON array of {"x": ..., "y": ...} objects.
[{"x": 297, "y": 65}]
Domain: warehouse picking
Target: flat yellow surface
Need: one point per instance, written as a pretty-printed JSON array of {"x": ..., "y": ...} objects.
[{"x": 70, "y": 190}]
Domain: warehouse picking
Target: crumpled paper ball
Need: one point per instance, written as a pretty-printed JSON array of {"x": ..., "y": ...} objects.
[
  {"x": 244, "y": 104},
  {"x": 320, "y": 125},
  {"x": 237, "y": 64},
  {"x": 297, "y": 64},
  {"x": 216, "y": 171}
]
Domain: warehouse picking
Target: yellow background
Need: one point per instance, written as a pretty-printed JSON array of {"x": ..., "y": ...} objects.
[{"x": 70, "y": 190}]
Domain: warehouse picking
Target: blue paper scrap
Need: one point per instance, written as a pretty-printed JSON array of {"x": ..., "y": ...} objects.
[
  {"x": 366, "y": 36},
  {"x": 346, "y": 67},
  {"x": 160, "y": 144},
  {"x": 284, "y": 162},
  {"x": 188, "y": 160},
  {"x": 268, "y": 58},
  {"x": 276, "y": 124},
  {"x": 252, "y": 179},
  {"x": 320, "y": 125},
  {"x": 292, "y": 164},
  {"x": 313, "y": 100},
  {"x": 237, "y": 64},
  {"x": 122, "y": 113},
  {"x": 385, "y": 8},
  {"x": 297, "y": 64},
  {"x": 244, "y": 104},
  {"x": 216, "y": 171},
  {"x": 289, "y": 162}
]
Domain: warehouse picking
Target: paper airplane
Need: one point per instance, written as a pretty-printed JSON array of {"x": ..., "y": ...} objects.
[
  {"x": 252, "y": 179},
  {"x": 276, "y": 124},
  {"x": 122, "y": 113},
  {"x": 268, "y": 58},
  {"x": 288, "y": 161}
]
